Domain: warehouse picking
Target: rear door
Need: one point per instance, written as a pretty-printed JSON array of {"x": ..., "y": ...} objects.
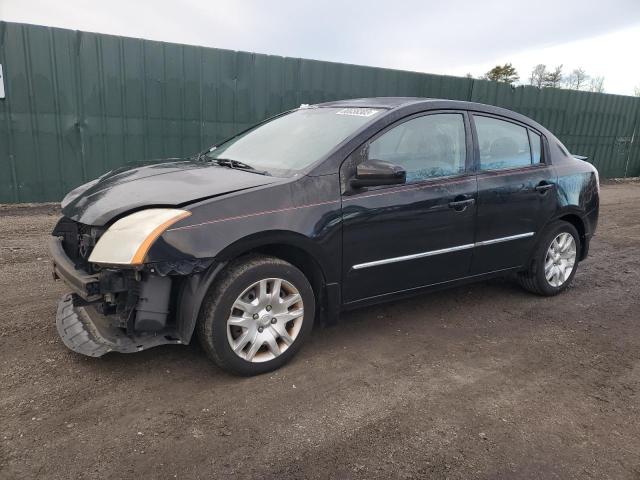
[
  {"x": 516, "y": 192},
  {"x": 398, "y": 238}
]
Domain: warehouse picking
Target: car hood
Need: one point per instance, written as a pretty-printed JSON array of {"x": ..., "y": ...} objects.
[{"x": 174, "y": 183}]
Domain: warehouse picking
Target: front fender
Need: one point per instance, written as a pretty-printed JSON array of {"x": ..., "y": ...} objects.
[
  {"x": 190, "y": 297},
  {"x": 194, "y": 287}
]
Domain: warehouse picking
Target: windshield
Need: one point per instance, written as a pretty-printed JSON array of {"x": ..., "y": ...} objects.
[{"x": 293, "y": 141}]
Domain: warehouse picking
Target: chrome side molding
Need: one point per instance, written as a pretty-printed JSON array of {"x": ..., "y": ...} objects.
[
  {"x": 404, "y": 258},
  {"x": 431, "y": 253},
  {"x": 505, "y": 239}
]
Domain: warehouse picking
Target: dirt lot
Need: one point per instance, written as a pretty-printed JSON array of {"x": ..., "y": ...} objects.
[{"x": 484, "y": 381}]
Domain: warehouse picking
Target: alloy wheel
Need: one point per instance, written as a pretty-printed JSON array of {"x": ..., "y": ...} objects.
[
  {"x": 265, "y": 320},
  {"x": 560, "y": 259}
]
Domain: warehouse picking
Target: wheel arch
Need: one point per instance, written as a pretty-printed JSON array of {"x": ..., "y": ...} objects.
[
  {"x": 576, "y": 218},
  {"x": 292, "y": 247}
]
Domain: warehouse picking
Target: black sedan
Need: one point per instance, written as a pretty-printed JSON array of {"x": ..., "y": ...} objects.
[{"x": 317, "y": 210}]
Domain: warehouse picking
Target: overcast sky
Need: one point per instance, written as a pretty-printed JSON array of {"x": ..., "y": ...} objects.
[{"x": 436, "y": 36}]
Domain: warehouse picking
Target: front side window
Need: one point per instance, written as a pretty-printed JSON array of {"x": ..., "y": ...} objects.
[
  {"x": 292, "y": 142},
  {"x": 426, "y": 147},
  {"x": 502, "y": 144}
]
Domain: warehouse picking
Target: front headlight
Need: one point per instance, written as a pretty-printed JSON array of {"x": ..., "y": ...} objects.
[{"x": 128, "y": 240}]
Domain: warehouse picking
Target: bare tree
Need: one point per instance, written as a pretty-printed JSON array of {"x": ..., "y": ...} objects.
[
  {"x": 596, "y": 84},
  {"x": 537, "y": 75},
  {"x": 636, "y": 91},
  {"x": 553, "y": 79},
  {"x": 577, "y": 79}
]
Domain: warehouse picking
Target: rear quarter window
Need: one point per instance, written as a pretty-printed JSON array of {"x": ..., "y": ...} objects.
[{"x": 536, "y": 147}]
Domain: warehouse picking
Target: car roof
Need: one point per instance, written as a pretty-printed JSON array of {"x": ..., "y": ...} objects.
[
  {"x": 414, "y": 104},
  {"x": 375, "y": 102}
]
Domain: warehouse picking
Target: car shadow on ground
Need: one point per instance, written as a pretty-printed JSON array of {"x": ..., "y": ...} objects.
[{"x": 351, "y": 327}]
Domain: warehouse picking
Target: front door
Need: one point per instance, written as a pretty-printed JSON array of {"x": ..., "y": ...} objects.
[
  {"x": 516, "y": 193},
  {"x": 398, "y": 238}
]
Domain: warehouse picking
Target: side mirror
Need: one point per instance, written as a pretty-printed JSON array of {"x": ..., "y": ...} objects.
[{"x": 378, "y": 172}]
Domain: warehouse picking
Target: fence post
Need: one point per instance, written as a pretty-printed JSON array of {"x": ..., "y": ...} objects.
[{"x": 631, "y": 143}]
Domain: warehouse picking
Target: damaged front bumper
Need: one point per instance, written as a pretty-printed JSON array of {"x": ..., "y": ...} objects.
[
  {"x": 83, "y": 284},
  {"x": 84, "y": 330},
  {"x": 111, "y": 311}
]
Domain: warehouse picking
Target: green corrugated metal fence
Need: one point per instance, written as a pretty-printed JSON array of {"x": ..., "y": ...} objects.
[{"x": 78, "y": 104}]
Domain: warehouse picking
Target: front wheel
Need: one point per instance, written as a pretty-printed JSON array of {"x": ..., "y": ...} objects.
[
  {"x": 554, "y": 261},
  {"x": 256, "y": 317}
]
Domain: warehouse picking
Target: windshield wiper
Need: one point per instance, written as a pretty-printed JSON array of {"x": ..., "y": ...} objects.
[
  {"x": 200, "y": 156},
  {"x": 227, "y": 162}
]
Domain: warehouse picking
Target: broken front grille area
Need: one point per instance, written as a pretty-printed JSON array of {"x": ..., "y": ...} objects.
[
  {"x": 118, "y": 290},
  {"x": 78, "y": 241}
]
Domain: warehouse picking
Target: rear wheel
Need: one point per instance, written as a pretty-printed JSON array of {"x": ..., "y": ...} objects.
[
  {"x": 554, "y": 261},
  {"x": 256, "y": 317}
]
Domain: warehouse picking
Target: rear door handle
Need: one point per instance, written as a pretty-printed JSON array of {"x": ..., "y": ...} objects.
[
  {"x": 461, "y": 205},
  {"x": 542, "y": 187}
]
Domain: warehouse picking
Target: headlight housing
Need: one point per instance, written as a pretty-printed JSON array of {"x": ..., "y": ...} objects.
[{"x": 128, "y": 240}]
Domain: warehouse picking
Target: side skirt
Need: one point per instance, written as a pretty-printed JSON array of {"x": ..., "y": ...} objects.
[{"x": 386, "y": 297}]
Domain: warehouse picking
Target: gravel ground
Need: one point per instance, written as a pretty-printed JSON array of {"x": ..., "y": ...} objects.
[{"x": 483, "y": 381}]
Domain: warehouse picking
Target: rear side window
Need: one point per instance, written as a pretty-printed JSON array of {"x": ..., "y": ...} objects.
[
  {"x": 502, "y": 144},
  {"x": 536, "y": 147},
  {"x": 427, "y": 147}
]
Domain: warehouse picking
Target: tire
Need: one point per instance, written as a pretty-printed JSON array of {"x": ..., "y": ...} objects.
[
  {"x": 535, "y": 279},
  {"x": 221, "y": 325}
]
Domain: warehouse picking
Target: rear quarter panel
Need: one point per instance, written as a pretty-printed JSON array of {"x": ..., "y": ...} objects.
[{"x": 578, "y": 189}]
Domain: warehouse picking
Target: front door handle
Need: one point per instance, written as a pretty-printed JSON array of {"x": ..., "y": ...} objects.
[
  {"x": 460, "y": 204},
  {"x": 543, "y": 187}
]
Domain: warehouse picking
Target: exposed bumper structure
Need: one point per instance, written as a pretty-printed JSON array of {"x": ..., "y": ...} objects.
[
  {"x": 84, "y": 285},
  {"x": 111, "y": 311},
  {"x": 86, "y": 331}
]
